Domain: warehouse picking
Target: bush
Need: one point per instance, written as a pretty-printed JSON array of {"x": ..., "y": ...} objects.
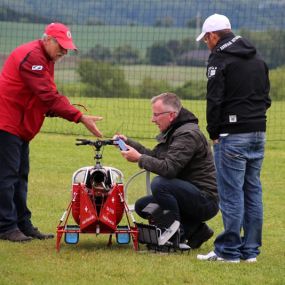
[
  {"x": 126, "y": 55},
  {"x": 103, "y": 79},
  {"x": 194, "y": 90},
  {"x": 150, "y": 87},
  {"x": 159, "y": 54},
  {"x": 100, "y": 53}
]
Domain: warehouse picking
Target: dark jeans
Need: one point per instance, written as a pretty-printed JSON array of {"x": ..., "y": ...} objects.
[
  {"x": 14, "y": 170},
  {"x": 187, "y": 204}
]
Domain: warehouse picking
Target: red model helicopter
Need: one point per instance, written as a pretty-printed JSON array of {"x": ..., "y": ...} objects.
[
  {"x": 98, "y": 205},
  {"x": 98, "y": 202}
]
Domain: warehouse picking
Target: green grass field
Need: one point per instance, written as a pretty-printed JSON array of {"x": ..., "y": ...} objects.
[
  {"x": 55, "y": 157},
  {"x": 133, "y": 117},
  {"x": 53, "y": 160}
]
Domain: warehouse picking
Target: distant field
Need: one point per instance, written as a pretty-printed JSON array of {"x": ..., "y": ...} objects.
[
  {"x": 12, "y": 34},
  {"x": 174, "y": 75},
  {"x": 134, "y": 74}
]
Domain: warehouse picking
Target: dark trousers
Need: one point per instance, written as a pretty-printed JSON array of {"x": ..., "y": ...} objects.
[
  {"x": 14, "y": 170},
  {"x": 187, "y": 204}
]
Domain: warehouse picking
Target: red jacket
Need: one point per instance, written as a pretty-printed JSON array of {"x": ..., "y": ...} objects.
[{"x": 28, "y": 92}]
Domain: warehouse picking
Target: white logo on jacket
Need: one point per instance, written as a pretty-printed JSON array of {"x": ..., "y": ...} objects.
[
  {"x": 232, "y": 118},
  {"x": 211, "y": 71},
  {"x": 37, "y": 67},
  {"x": 229, "y": 43}
]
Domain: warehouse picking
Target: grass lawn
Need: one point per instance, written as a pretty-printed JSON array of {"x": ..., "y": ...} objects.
[{"x": 53, "y": 160}]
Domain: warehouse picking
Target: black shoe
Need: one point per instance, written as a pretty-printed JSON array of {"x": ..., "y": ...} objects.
[
  {"x": 36, "y": 234},
  {"x": 200, "y": 236},
  {"x": 15, "y": 235}
]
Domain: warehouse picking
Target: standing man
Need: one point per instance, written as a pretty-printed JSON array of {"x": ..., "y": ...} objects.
[
  {"x": 185, "y": 184},
  {"x": 237, "y": 100},
  {"x": 28, "y": 94}
]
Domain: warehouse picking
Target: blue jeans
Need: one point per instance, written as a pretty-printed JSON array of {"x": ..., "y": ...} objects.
[
  {"x": 187, "y": 203},
  {"x": 238, "y": 160},
  {"x": 14, "y": 170}
]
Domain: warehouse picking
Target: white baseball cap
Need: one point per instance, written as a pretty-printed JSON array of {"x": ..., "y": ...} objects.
[{"x": 215, "y": 22}]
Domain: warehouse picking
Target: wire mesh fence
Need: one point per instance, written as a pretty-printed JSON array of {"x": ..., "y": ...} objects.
[{"x": 131, "y": 50}]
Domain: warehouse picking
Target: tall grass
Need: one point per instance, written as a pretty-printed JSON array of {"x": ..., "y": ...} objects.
[{"x": 53, "y": 160}]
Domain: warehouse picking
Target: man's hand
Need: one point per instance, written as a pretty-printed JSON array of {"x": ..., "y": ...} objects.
[
  {"x": 131, "y": 154},
  {"x": 89, "y": 122},
  {"x": 118, "y": 135}
]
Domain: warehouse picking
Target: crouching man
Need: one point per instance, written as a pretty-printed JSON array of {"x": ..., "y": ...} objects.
[{"x": 185, "y": 185}]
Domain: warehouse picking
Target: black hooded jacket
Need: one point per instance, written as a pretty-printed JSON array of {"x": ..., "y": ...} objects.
[
  {"x": 238, "y": 88},
  {"x": 182, "y": 152}
]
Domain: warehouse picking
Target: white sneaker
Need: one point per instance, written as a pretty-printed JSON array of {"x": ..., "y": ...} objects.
[
  {"x": 168, "y": 233},
  {"x": 251, "y": 260},
  {"x": 184, "y": 246},
  {"x": 211, "y": 256}
]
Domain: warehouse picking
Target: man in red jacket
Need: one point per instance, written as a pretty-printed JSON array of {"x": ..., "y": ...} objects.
[{"x": 27, "y": 95}]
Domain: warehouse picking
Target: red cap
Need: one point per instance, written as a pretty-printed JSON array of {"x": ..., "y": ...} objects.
[{"x": 62, "y": 34}]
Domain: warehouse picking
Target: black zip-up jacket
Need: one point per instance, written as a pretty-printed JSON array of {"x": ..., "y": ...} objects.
[
  {"x": 182, "y": 152},
  {"x": 238, "y": 88}
]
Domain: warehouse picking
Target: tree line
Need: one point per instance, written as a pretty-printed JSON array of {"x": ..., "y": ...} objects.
[
  {"x": 172, "y": 52},
  {"x": 100, "y": 69},
  {"x": 186, "y": 52}
]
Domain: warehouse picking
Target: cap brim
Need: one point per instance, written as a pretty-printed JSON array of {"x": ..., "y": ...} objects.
[
  {"x": 67, "y": 44},
  {"x": 200, "y": 37}
]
